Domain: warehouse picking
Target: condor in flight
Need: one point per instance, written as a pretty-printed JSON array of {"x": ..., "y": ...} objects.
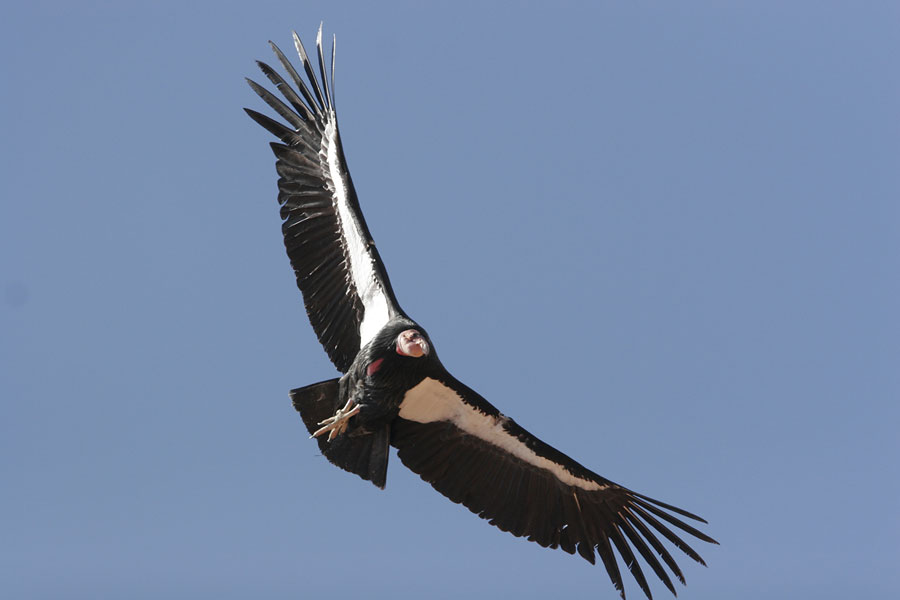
[{"x": 394, "y": 390}]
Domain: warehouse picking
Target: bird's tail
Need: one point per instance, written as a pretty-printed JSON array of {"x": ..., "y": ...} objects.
[{"x": 358, "y": 451}]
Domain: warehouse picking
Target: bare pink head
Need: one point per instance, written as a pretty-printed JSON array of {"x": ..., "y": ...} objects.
[{"x": 411, "y": 343}]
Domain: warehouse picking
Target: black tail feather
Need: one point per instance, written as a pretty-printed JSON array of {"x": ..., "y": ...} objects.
[{"x": 357, "y": 451}]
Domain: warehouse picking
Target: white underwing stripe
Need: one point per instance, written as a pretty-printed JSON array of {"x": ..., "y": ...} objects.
[
  {"x": 375, "y": 305},
  {"x": 432, "y": 401}
]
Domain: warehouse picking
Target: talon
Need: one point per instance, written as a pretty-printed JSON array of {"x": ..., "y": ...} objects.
[{"x": 337, "y": 424}]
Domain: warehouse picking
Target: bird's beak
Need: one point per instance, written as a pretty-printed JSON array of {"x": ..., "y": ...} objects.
[{"x": 411, "y": 343}]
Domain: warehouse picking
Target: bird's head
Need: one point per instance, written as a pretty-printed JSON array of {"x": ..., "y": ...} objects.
[
  {"x": 400, "y": 347},
  {"x": 412, "y": 343}
]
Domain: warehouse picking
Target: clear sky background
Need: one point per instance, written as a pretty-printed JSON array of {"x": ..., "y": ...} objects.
[{"x": 663, "y": 237}]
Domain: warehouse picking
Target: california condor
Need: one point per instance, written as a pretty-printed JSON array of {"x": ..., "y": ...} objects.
[{"x": 394, "y": 390}]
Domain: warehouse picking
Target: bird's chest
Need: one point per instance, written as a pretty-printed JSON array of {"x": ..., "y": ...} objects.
[{"x": 379, "y": 398}]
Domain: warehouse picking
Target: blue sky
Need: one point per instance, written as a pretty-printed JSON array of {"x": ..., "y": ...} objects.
[{"x": 665, "y": 239}]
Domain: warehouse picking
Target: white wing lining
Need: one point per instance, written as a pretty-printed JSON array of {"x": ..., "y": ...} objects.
[
  {"x": 376, "y": 310},
  {"x": 431, "y": 401}
]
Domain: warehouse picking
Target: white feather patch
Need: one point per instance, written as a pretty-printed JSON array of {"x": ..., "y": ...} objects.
[
  {"x": 432, "y": 401},
  {"x": 376, "y": 312}
]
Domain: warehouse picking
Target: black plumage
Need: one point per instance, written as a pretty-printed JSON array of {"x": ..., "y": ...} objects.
[{"x": 394, "y": 389}]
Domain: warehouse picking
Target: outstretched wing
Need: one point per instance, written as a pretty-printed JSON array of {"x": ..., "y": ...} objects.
[
  {"x": 464, "y": 447},
  {"x": 345, "y": 287}
]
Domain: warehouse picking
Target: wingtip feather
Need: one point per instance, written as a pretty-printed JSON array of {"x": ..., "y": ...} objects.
[
  {"x": 321, "y": 54},
  {"x": 307, "y": 66}
]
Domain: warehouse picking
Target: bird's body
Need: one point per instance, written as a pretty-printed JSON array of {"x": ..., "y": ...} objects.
[
  {"x": 377, "y": 383},
  {"x": 394, "y": 391}
]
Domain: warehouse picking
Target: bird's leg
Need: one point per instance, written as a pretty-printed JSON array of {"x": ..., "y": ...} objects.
[{"x": 337, "y": 424}]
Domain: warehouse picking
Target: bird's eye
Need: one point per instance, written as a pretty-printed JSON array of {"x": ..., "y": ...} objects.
[{"x": 411, "y": 343}]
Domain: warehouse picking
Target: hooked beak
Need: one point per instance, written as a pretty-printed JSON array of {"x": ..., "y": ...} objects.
[{"x": 411, "y": 343}]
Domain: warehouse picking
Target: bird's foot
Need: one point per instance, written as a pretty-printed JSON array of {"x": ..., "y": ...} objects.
[{"x": 337, "y": 424}]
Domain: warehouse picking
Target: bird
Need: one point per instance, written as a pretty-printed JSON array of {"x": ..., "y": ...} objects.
[{"x": 394, "y": 390}]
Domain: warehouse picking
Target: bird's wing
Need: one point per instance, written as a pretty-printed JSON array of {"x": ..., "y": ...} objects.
[
  {"x": 471, "y": 453},
  {"x": 345, "y": 286}
]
